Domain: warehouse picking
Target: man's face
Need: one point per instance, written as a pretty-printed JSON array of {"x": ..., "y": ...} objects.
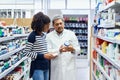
[{"x": 58, "y": 25}]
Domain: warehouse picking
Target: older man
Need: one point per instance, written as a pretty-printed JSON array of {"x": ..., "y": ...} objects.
[{"x": 64, "y": 44}]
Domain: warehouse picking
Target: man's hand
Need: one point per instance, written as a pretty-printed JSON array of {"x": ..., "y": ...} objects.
[
  {"x": 70, "y": 48},
  {"x": 63, "y": 49},
  {"x": 67, "y": 48}
]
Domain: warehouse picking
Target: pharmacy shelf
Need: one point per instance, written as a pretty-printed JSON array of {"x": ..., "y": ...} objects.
[
  {"x": 2, "y": 39},
  {"x": 21, "y": 60},
  {"x": 21, "y": 75},
  {"x": 106, "y": 39},
  {"x": 94, "y": 75},
  {"x": 114, "y": 5},
  {"x": 112, "y": 61},
  {"x": 106, "y": 26},
  {"x": 117, "y": 41},
  {"x": 24, "y": 72},
  {"x": 7, "y": 55},
  {"x": 112, "y": 40},
  {"x": 101, "y": 69},
  {"x": 109, "y": 25},
  {"x": 117, "y": 23},
  {"x": 7, "y": 71},
  {"x": 76, "y": 27},
  {"x": 20, "y": 35},
  {"x": 79, "y": 24},
  {"x": 6, "y": 38}
]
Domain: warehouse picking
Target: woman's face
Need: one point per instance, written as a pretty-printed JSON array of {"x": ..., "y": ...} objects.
[{"x": 46, "y": 27}]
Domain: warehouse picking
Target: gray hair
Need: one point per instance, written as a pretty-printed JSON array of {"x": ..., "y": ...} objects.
[{"x": 57, "y": 17}]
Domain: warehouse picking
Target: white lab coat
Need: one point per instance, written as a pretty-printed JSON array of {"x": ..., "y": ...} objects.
[{"x": 63, "y": 66}]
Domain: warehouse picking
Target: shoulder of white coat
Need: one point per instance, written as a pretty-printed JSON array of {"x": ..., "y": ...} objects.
[
  {"x": 50, "y": 33},
  {"x": 69, "y": 31}
]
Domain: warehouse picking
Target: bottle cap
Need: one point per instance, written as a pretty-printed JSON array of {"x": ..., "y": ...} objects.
[{"x": 66, "y": 43}]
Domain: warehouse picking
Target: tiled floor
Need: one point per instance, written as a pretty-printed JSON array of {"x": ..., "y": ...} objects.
[{"x": 83, "y": 69}]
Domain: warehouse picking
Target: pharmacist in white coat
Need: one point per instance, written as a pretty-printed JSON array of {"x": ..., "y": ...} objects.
[{"x": 65, "y": 45}]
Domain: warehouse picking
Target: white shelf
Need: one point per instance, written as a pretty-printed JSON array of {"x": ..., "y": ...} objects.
[
  {"x": 109, "y": 25},
  {"x": 117, "y": 23},
  {"x": 106, "y": 25},
  {"x": 114, "y": 5},
  {"x": 20, "y": 35},
  {"x": 106, "y": 39},
  {"x": 21, "y": 60},
  {"x": 6, "y": 55},
  {"x": 112, "y": 40},
  {"x": 22, "y": 74},
  {"x": 112, "y": 61},
  {"x": 6, "y": 38},
  {"x": 7, "y": 71},
  {"x": 94, "y": 75},
  {"x": 102, "y": 70},
  {"x": 12, "y": 37},
  {"x": 117, "y": 41}
]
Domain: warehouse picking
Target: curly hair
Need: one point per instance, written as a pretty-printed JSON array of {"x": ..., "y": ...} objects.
[{"x": 38, "y": 22}]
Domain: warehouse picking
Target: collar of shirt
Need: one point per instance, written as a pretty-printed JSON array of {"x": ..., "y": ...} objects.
[
  {"x": 61, "y": 34},
  {"x": 43, "y": 35}
]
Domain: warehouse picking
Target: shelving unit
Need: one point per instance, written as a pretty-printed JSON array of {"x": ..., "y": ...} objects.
[
  {"x": 22, "y": 74},
  {"x": 115, "y": 4},
  {"x": 102, "y": 70},
  {"x": 112, "y": 40},
  {"x": 104, "y": 40},
  {"x": 12, "y": 64},
  {"x": 14, "y": 13},
  {"x": 12, "y": 37},
  {"x": 79, "y": 24},
  {"x": 7, "y": 71},
  {"x": 112, "y": 61},
  {"x": 94, "y": 75},
  {"x": 7, "y": 55}
]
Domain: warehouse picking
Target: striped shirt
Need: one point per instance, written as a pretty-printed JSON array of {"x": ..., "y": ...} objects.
[{"x": 36, "y": 45}]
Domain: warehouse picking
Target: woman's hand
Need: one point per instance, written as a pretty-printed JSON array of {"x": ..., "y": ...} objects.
[{"x": 49, "y": 56}]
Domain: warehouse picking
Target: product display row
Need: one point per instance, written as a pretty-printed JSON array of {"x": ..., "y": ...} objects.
[
  {"x": 14, "y": 65},
  {"x": 79, "y": 24},
  {"x": 10, "y": 31},
  {"x": 14, "y": 13},
  {"x": 21, "y": 72},
  {"x": 106, "y": 46}
]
